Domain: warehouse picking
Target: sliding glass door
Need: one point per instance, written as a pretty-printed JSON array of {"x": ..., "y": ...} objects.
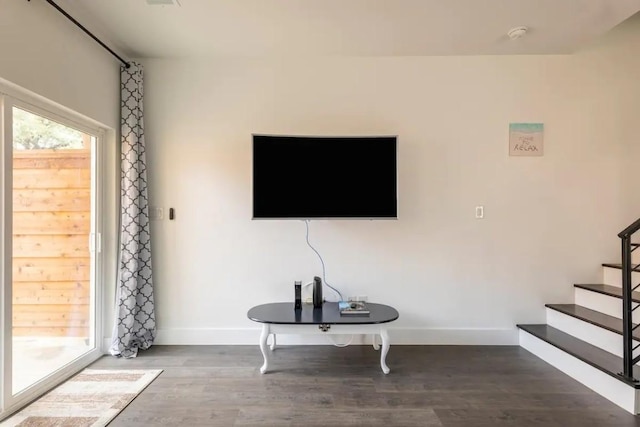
[{"x": 50, "y": 245}]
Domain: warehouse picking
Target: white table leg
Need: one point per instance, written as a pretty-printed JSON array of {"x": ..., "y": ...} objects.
[
  {"x": 263, "y": 347},
  {"x": 375, "y": 342},
  {"x": 273, "y": 343},
  {"x": 385, "y": 349}
]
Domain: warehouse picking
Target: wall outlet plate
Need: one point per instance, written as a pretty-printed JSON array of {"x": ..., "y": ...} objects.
[{"x": 156, "y": 213}]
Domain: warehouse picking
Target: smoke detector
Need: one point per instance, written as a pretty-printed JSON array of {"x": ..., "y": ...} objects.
[
  {"x": 517, "y": 32},
  {"x": 163, "y": 3}
]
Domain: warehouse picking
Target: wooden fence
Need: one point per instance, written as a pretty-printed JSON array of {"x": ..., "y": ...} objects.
[{"x": 51, "y": 226}]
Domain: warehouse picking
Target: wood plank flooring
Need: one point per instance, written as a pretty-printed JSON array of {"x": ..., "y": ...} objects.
[{"x": 449, "y": 386}]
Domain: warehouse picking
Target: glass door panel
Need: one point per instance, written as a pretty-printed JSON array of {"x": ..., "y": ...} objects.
[{"x": 53, "y": 289}]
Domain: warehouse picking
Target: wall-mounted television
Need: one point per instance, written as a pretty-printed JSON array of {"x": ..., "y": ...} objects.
[{"x": 306, "y": 177}]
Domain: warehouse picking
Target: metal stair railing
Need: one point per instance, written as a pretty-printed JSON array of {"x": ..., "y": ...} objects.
[{"x": 628, "y": 304}]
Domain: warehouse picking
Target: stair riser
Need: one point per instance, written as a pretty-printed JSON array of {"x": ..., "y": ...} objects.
[
  {"x": 595, "y": 335},
  {"x": 605, "y": 385},
  {"x": 613, "y": 277},
  {"x": 602, "y": 303}
]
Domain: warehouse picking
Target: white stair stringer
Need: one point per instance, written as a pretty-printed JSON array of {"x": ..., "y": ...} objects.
[
  {"x": 603, "y": 303},
  {"x": 604, "y": 384},
  {"x": 585, "y": 331}
]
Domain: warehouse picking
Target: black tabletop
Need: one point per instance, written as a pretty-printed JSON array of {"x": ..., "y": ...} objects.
[{"x": 283, "y": 313}]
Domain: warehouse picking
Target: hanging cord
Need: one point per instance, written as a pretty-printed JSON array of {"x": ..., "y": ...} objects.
[{"x": 324, "y": 278}]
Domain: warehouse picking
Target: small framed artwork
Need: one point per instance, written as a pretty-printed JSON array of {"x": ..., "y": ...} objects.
[{"x": 526, "y": 139}]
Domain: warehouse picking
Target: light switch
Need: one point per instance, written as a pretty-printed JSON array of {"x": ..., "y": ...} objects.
[
  {"x": 479, "y": 212},
  {"x": 156, "y": 213}
]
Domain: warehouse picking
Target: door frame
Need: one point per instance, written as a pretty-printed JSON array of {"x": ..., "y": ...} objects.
[{"x": 10, "y": 96}]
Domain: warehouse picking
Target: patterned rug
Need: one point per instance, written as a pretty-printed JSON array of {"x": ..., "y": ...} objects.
[{"x": 90, "y": 399}]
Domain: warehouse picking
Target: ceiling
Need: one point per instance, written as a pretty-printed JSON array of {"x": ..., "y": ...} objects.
[{"x": 205, "y": 28}]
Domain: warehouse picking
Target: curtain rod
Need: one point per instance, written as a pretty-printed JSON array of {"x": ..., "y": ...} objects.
[{"x": 79, "y": 25}]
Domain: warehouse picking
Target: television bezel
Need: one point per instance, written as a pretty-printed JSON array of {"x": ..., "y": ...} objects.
[{"x": 315, "y": 218}]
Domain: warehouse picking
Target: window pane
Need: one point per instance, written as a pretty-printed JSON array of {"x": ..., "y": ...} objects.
[
  {"x": 33, "y": 132},
  {"x": 52, "y": 263}
]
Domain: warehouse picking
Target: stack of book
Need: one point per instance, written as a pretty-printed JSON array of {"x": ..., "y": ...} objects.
[{"x": 353, "y": 308}]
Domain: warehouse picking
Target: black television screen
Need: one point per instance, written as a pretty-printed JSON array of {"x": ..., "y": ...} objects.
[{"x": 324, "y": 177}]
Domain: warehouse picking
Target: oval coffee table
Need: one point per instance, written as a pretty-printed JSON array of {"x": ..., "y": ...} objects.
[{"x": 281, "y": 318}]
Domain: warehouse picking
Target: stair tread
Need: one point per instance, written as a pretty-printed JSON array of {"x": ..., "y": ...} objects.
[
  {"x": 617, "y": 265},
  {"x": 594, "y": 356},
  {"x": 596, "y": 318},
  {"x": 612, "y": 291}
]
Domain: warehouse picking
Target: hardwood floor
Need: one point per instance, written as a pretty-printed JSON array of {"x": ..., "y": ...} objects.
[{"x": 446, "y": 386}]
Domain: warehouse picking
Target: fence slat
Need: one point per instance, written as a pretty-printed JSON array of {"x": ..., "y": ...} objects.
[
  {"x": 50, "y": 246},
  {"x": 75, "y": 332},
  {"x": 76, "y": 309},
  {"x": 48, "y": 200},
  {"x": 50, "y": 269},
  {"x": 40, "y": 319},
  {"x": 52, "y": 286},
  {"x": 51, "y": 178},
  {"x": 49, "y": 297},
  {"x": 49, "y": 223},
  {"x": 52, "y": 159}
]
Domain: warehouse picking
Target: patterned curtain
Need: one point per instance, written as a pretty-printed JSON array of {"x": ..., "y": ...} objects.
[{"x": 135, "y": 324}]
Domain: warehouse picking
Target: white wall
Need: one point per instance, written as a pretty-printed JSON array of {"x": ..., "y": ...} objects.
[
  {"x": 549, "y": 221},
  {"x": 624, "y": 47},
  {"x": 42, "y": 52}
]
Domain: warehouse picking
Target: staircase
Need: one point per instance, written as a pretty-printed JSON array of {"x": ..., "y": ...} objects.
[{"x": 586, "y": 340}]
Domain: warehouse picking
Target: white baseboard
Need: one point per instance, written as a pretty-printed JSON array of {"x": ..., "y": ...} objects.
[
  {"x": 405, "y": 336},
  {"x": 605, "y": 385}
]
